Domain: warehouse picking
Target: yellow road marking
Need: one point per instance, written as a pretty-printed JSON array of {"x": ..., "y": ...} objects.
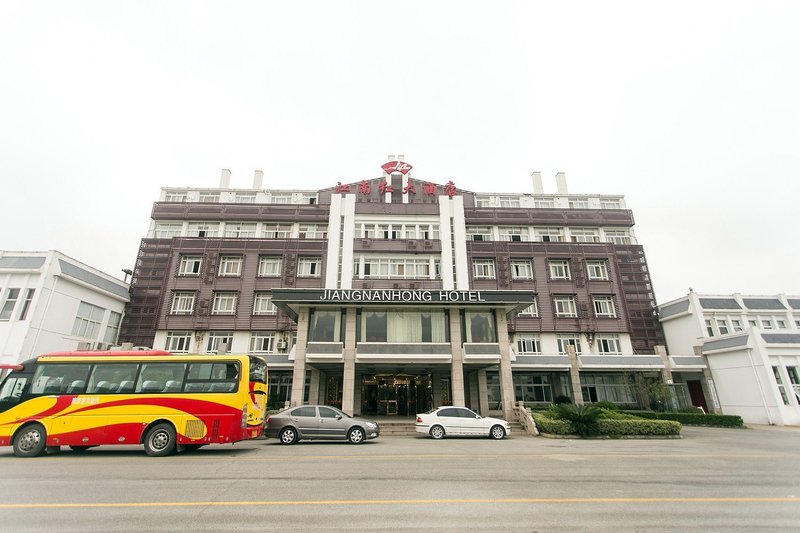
[{"x": 397, "y": 502}]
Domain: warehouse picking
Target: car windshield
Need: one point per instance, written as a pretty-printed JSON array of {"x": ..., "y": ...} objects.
[{"x": 432, "y": 411}]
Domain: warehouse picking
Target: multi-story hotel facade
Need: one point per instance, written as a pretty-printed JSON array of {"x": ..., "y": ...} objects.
[{"x": 393, "y": 295}]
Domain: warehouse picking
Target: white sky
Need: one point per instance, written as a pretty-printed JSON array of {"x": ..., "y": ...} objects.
[{"x": 689, "y": 109}]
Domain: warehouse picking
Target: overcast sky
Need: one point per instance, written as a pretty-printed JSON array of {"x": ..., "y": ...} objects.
[{"x": 689, "y": 109}]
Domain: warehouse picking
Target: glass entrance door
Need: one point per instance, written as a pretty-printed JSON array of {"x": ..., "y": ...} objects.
[{"x": 395, "y": 394}]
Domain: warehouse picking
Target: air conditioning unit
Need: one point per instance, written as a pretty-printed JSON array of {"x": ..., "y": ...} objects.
[
  {"x": 428, "y": 244},
  {"x": 282, "y": 344},
  {"x": 365, "y": 243},
  {"x": 412, "y": 244}
]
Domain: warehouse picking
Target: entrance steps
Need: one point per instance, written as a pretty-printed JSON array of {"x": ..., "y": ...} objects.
[{"x": 404, "y": 427}]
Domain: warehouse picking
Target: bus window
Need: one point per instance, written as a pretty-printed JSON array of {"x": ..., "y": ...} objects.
[
  {"x": 258, "y": 370},
  {"x": 161, "y": 377},
  {"x": 57, "y": 379},
  {"x": 13, "y": 388},
  {"x": 212, "y": 377},
  {"x": 109, "y": 377}
]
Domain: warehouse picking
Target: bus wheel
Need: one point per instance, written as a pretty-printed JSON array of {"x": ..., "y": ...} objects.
[
  {"x": 30, "y": 441},
  {"x": 160, "y": 440}
]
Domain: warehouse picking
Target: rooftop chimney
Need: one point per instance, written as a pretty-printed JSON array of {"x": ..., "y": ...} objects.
[
  {"x": 537, "y": 182},
  {"x": 561, "y": 183},
  {"x": 258, "y": 178},
  {"x": 225, "y": 179}
]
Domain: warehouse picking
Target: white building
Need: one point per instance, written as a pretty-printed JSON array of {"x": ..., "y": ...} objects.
[
  {"x": 50, "y": 302},
  {"x": 752, "y": 348}
]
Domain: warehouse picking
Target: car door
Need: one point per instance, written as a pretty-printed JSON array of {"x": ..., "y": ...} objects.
[
  {"x": 450, "y": 421},
  {"x": 470, "y": 422},
  {"x": 305, "y": 420},
  {"x": 331, "y": 424}
]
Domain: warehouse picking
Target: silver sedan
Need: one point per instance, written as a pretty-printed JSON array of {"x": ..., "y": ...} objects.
[{"x": 313, "y": 422}]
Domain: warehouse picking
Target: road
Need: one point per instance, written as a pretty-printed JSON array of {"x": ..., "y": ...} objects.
[{"x": 712, "y": 480}]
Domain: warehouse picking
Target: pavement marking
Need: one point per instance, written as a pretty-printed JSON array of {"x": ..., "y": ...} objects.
[{"x": 397, "y": 502}]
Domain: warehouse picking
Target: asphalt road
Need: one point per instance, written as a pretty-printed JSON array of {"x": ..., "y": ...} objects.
[{"x": 711, "y": 480}]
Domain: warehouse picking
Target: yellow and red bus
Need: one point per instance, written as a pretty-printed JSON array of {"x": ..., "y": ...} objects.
[{"x": 166, "y": 402}]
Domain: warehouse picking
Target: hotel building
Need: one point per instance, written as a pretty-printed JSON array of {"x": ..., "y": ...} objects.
[{"x": 393, "y": 295}]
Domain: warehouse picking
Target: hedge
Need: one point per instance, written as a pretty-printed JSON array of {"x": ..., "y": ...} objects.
[
  {"x": 694, "y": 419},
  {"x": 612, "y": 427}
]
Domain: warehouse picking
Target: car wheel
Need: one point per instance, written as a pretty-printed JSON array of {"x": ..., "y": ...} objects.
[
  {"x": 288, "y": 436},
  {"x": 437, "y": 432},
  {"x": 80, "y": 449},
  {"x": 160, "y": 440},
  {"x": 30, "y": 441},
  {"x": 355, "y": 436},
  {"x": 497, "y": 432}
]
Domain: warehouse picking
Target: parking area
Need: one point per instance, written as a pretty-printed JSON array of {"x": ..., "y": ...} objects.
[{"x": 710, "y": 479}]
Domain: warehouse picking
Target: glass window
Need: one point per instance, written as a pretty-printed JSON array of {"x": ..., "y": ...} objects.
[
  {"x": 161, "y": 377},
  {"x": 269, "y": 266},
  {"x": 528, "y": 343},
  {"x": 230, "y": 265},
  {"x": 483, "y": 268},
  {"x": 618, "y": 236},
  {"x": 608, "y": 344},
  {"x": 309, "y": 267},
  {"x": 277, "y": 231},
  {"x": 59, "y": 378},
  {"x": 216, "y": 339},
  {"x": 565, "y": 306},
  {"x": 203, "y": 229},
  {"x": 262, "y": 304},
  {"x": 544, "y": 203},
  {"x": 736, "y": 324},
  {"x": 709, "y": 328},
  {"x": 13, "y": 387},
  {"x": 604, "y": 306},
  {"x": 305, "y": 411},
  {"x": 167, "y": 231},
  {"x": 449, "y": 412},
  {"x": 313, "y": 231},
  {"x": 110, "y": 378},
  {"x": 549, "y": 234},
  {"x": 480, "y": 326},
  {"x": 327, "y": 412},
  {"x": 566, "y": 339},
  {"x": 212, "y": 377},
  {"x": 178, "y": 341},
  {"x": 597, "y": 269},
  {"x": 584, "y": 235},
  {"x": 722, "y": 326},
  {"x": 8, "y": 304},
  {"x": 243, "y": 198},
  {"x": 209, "y": 197},
  {"x": 381, "y": 325},
  {"x": 610, "y": 203},
  {"x": 240, "y": 230},
  {"x": 777, "y": 373},
  {"x": 262, "y": 342},
  {"x": 578, "y": 203},
  {"x": 324, "y": 326},
  {"x": 112, "y": 329},
  {"x": 766, "y": 323},
  {"x": 175, "y": 196},
  {"x": 224, "y": 303},
  {"x": 531, "y": 310},
  {"x": 479, "y": 233},
  {"x": 182, "y": 303},
  {"x": 607, "y": 387},
  {"x": 559, "y": 269},
  {"x": 87, "y": 323},
  {"x": 26, "y": 304},
  {"x": 190, "y": 265},
  {"x": 513, "y": 233},
  {"x": 521, "y": 269},
  {"x": 532, "y": 388},
  {"x": 509, "y": 201}
]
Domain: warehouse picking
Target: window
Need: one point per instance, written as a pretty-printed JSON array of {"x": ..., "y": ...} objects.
[
  {"x": 483, "y": 268},
  {"x": 240, "y": 230},
  {"x": 528, "y": 343},
  {"x": 609, "y": 387},
  {"x": 548, "y": 234},
  {"x": 167, "y": 231},
  {"x": 777, "y": 373},
  {"x": 87, "y": 323},
  {"x": 618, "y": 236},
  {"x": 544, "y": 203},
  {"x": 309, "y": 267},
  {"x": 382, "y": 325},
  {"x": 8, "y": 305},
  {"x": 242, "y": 198},
  {"x": 109, "y": 378},
  {"x": 277, "y": 231},
  {"x": 479, "y": 233},
  {"x": 722, "y": 326},
  {"x": 597, "y": 270},
  {"x": 521, "y": 269},
  {"x": 281, "y": 199},
  {"x": 59, "y": 378},
  {"x": 752, "y": 323},
  {"x": 262, "y": 342},
  {"x": 26, "y": 304},
  {"x": 190, "y": 265},
  {"x": 175, "y": 196},
  {"x": 781, "y": 324},
  {"x": 209, "y": 197},
  {"x": 178, "y": 341},
  {"x": 313, "y": 231},
  {"x": 610, "y": 203},
  {"x": 202, "y": 229},
  {"x": 390, "y": 267},
  {"x": 513, "y": 233},
  {"x": 532, "y": 388},
  {"x": 389, "y": 231},
  {"x": 604, "y": 306},
  {"x": 269, "y": 266},
  {"x": 709, "y": 328},
  {"x": 568, "y": 339},
  {"x": 324, "y": 326},
  {"x": 531, "y": 310},
  {"x": 480, "y": 326},
  {"x": 766, "y": 323},
  {"x": 216, "y": 339},
  {"x": 310, "y": 199},
  {"x": 483, "y": 201},
  {"x": 608, "y": 344},
  {"x": 794, "y": 379},
  {"x": 559, "y": 269},
  {"x": 262, "y": 304},
  {"x": 584, "y": 235},
  {"x": 736, "y": 324},
  {"x": 161, "y": 377},
  {"x": 182, "y": 303},
  {"x": 509, "y": 201},
  {"x": 797, "y": 324},
  {"x": 112, "y": 329},
  {"x": 565, "y": 306},
  {"x": 578, "y": 203},
  {"x": 224, "y": 303},
  {"x": 230, "y": 265}
]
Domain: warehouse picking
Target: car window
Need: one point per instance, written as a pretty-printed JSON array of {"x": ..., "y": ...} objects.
[
  {"x": 327, "y": 412},
  {"x": 448, "y": 412},
  {"x": 304, "y": 411},
  {"x": 466, "y": 413}
]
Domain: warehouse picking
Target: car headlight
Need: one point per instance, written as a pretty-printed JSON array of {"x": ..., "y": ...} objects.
[{"x": 371, "y": 425}]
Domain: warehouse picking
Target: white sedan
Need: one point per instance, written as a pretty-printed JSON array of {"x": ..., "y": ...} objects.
[{"x": 460, "y": 421}]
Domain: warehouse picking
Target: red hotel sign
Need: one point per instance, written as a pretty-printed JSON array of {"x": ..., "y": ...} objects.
[{"x": 396, "y": 166}]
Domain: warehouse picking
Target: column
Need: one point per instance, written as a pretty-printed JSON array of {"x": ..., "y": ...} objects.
[
  {"x": 313, "y": 389},
  {"x": 457, "y": 367},
  {"x": 574, "y": 375},
  {"x": 472, "y": 383},
  {"x": 436, "y": 386},
  {"x": 299, "y": 373},
  {"x": 483, "y": 393},
  {"x": 349, "y": 378},
  {"x": 506, "y": 378},
  {"x": 666, "y": 374},
  {"x": 357, "y": 394}
]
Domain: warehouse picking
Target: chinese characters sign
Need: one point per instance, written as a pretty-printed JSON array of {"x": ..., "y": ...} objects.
[{"x": 426, "y": 188}]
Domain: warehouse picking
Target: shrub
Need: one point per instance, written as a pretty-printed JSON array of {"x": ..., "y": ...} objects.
[
  {"x": 605, "y": 404},
  {"x": 639, "y": 427},
  {"x": 551, "y": 425},
  {"x": 607, "y": 414},
  {"x": 561, "y": 399},
  {"x": 695, "y": 419},
  {"x": 583, "y": 418}
]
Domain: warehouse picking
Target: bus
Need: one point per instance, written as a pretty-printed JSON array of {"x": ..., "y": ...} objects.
[{"x": 163, "y": 401}]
